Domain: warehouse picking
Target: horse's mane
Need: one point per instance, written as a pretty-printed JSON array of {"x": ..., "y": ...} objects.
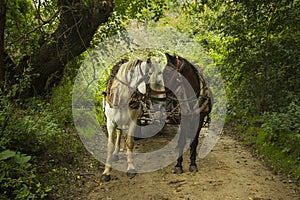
[
  {"x": 118, "y": 71},
  {"x": 113, "y": 73},
  {"x": 204, "y": 81},
  {"x": 193, "y": 66},
  {"x": 198, "y": 70},
  {"x": 117, "y": 66},
  {"x": 131, "y": 64}
]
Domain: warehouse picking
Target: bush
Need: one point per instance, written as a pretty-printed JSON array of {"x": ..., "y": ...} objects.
[
  {"x": 26, "y": 130},
  {"x": 31, "y": 130},
  {"x": 283, "y": 129},
  {"x": 275, "y": 137},
  {"x": 279, "y": 138},
  {"x": 17, "y": 177}
]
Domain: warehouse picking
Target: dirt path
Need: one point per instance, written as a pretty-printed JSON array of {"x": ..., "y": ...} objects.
[{"x": 228, "y": 172}]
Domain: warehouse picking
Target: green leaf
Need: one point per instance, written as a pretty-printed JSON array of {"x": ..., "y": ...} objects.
[
  {"x": 21, "y": 158},
  {"x": 7, "y": 154},
  {"x": 2, "y": 175}
]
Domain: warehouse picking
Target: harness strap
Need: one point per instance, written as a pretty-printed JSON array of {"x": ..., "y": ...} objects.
[
  {"x": 178, "y": 68},
  {"x": 203, "y": 93},
  {"x": 179, "y": 65},
  {"x": 156, "y": 91}
]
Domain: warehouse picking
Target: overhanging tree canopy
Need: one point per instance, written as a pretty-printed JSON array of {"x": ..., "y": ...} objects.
[{"x": 77, "y": 24}]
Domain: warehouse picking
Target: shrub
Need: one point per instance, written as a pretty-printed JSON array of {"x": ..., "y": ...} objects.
[
  {"x": 283, "y": 129},
  {"x": 17, "y": 177},
  {"x": 279, "y": 138}
]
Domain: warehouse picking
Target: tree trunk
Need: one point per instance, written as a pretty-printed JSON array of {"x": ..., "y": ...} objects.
[{"x": 78, "y": 24}]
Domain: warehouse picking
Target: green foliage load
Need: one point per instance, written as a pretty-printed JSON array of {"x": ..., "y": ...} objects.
[{"x": 279, "y": 139}]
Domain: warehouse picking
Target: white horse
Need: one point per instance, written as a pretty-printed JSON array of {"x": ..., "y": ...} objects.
[{"x": 122, "y": 108}]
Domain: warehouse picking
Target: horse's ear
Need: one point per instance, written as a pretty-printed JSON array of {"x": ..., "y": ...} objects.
[
  {"x": 183, "y": 60},
  {"x": 169, "y": 58},
  {"x": 148, "y": 60}
]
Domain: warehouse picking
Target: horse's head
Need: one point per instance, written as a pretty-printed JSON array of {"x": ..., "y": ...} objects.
[
  {"x": 177, "y": 69},
  {"x": 173, "y": 70},
  {"x": 142, "y": 74},
  {"x": 135, "y": 73},
  {"x": 156, "y": 81},
  {"x": 178, "y": 63},
  {"x": 183, "y": 79}
]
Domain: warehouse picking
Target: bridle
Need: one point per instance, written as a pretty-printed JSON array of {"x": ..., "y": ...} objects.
[{"x": 179, "y": 68}]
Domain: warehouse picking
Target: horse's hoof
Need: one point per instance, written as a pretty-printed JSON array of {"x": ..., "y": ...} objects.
[
  {"x": 114, "y": 158},
  {"x": 105, "y": 178},
  {"x": 193, "y": 168},
  {"x": 178, "y": 170},
  {"x": 131, "y": 173}
]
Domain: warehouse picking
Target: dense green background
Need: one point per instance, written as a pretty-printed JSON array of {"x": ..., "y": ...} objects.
[{"x": 255, "y": 45}]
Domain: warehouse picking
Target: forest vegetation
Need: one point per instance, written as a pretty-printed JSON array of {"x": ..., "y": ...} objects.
[{"x": 254, "y": 45}]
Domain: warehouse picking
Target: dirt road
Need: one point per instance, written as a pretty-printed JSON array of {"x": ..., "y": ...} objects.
[{"x": 228, "y": 172}]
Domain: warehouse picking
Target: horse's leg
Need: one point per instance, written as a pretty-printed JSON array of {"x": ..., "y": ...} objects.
[
  {"x": 111, "y": 129},
  {"x": 181, "y": 143},
  {"x": 131, "y": 171},
  {"x": 115, "y": 156},
  {"x": 193, "y": 152},
  {"x": 193, "y": 147}
]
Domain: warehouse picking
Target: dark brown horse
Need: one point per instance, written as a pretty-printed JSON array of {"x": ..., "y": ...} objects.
[{"x": 187, "y": 84}]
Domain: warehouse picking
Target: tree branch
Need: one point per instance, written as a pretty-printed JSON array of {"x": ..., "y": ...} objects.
[{"x": 78, "y": 24}]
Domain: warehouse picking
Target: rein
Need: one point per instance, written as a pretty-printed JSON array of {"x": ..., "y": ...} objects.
[
  {"x": 178, "y": 68},
  {"x": 126, "y": 84}
]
